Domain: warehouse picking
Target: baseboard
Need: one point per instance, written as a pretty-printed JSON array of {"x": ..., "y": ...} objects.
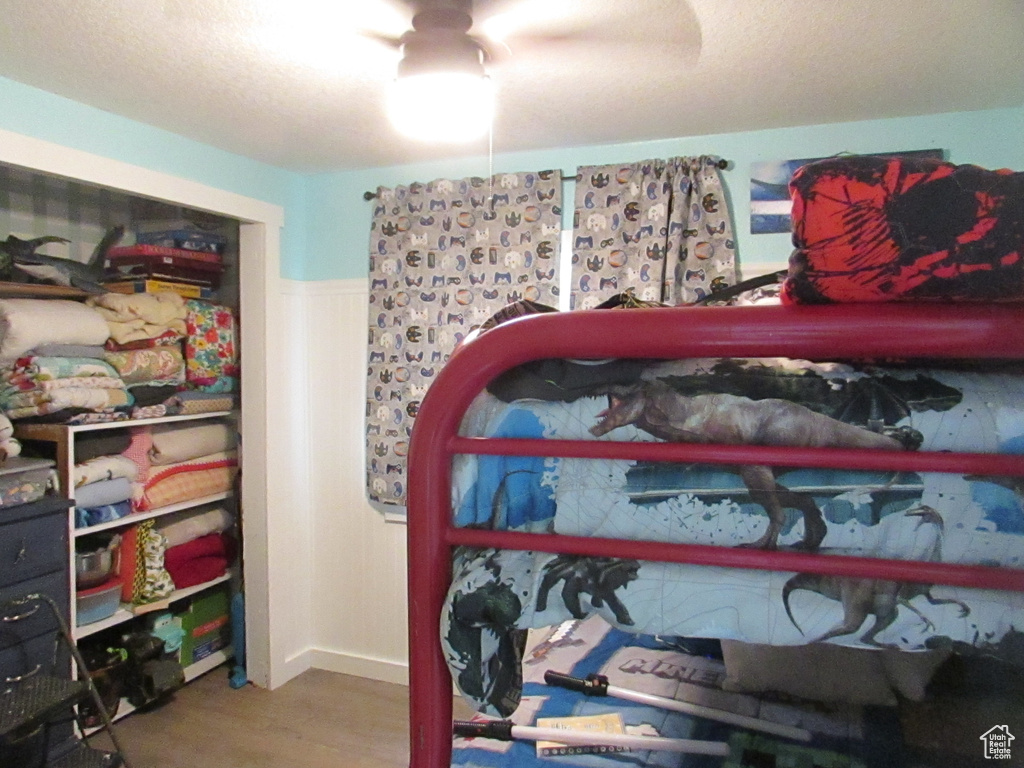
[
  {"x": 360, "y": 666},
  {"x": 292, "y": 667}
]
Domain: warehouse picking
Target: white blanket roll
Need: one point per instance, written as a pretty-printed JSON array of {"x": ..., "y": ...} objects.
[
  {"x": 29, "y": 323},
  {"x": 173, "y": 443}
]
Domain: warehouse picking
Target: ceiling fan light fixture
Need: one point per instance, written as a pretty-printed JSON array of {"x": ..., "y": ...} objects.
[
  {"x": 443, "y": 107},
  {"x": 442, "y": 93}
]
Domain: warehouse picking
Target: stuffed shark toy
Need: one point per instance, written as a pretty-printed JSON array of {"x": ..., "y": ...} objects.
[{"x": 53, "y": 269}]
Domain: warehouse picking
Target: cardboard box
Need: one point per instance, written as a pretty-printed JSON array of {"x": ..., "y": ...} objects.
[
  {"x": 155, "y": 286},
  {"x": 207, "y": 625}
]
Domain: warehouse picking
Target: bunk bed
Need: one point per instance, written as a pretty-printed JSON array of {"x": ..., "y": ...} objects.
[{"x": 970, "y": 334}]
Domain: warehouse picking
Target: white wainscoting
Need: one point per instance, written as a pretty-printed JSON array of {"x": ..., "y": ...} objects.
[{"x": 357, "y": 564}]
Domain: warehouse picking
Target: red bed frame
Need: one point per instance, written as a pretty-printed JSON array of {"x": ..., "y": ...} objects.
[{"x": 815, "y": 333}]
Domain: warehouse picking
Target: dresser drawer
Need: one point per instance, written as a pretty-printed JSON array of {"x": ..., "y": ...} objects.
[
  {"x": 42, "y": 655},
  {"x": 32, "y": 544},
  {"x": 23, "y": 622}
]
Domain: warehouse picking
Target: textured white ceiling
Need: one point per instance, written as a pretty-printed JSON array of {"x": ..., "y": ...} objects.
[{"x": 289, "y": 83}]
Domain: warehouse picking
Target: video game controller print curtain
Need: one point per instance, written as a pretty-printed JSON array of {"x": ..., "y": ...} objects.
[
  {"x": 659, "y": 227},
  {"x": 444, "y": 257}
]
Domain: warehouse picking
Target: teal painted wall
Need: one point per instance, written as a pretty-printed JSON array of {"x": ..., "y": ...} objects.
[
  {"x": 339, "y": 219},
  {"x": 326, "y": 232}
]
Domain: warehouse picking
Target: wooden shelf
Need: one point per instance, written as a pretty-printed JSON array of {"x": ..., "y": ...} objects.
[
  {"x": 53, "y": 433},
  {"x": 124, "y": 613},
  {"x": 11, "y": 290},
  {"x": 138, "y": 517}
]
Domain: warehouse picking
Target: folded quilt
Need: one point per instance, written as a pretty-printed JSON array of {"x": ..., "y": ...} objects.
[
  {"x": 70, "y": 350},
  {"x": 189, "y": 480},
  {"x": 87, "y": 516},
  {"x": 103, "y": 492},
  {"x": 192, "y": 525},
  {"x": 159, "y": 365},
  {"x": 35, "y": 368},
  {"x": 149, "y": 411},
  {"x": 131, "y": 317},
  {"x": 199, "y": 561},
  {"x": 105, "y": 468},
  {"x": 26, "y": 324},
  {"x": 48, "y": 385},
  {"x": 210, "y": 348},
  {"x": 25, "y": 404},
  {"x": 173, "y": 443}
]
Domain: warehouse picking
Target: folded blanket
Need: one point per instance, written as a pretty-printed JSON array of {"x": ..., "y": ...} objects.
[
  {"x": 149, "y": 411},
  {"x": 190, "y": 526},
  {"x": 191, "y": 403},
  {"x": 103, "y": 492},
  {"x": 165, "y": 338},
  {"x": 70, "y": 350},
  {"x": 28, "y": 323},
  {"x": 159, "y": 365},
  {"x": 36, "y": 368},
  {"x": 87, "y": 516},
  {"x": 189, "y": 480},
  {"x": 198, "y": 561},
  {"x": 37, "y": 403},
  {"x": 130, "y": 317},
  {"x": 104, "y": 443},
  {"x": 48, "y": 385},
  {"x": 210, "y": 348},
  {"x": 173, "y": 443},
  {"x": 105, "y": 468}
]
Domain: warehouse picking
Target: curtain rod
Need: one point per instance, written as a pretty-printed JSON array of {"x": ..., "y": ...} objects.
[{"x": 722, "y": 165}]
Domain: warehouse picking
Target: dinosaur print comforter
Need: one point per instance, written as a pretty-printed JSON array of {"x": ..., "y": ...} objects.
[{"x": 907, "y": 515}]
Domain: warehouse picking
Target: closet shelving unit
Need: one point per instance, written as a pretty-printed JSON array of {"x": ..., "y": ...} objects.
[{"x": 62, "y": 437}]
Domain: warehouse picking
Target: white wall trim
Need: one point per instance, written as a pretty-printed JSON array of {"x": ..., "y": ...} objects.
[{"x": 360, "y": 666}]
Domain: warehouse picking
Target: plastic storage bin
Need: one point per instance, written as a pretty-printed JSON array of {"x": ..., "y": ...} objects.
[
  {"x": 24, "y": 480},
  {"x": 97, "y": 603}
]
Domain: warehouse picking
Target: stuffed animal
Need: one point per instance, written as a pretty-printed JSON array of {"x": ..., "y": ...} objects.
[{"x": 9, "y": 446}]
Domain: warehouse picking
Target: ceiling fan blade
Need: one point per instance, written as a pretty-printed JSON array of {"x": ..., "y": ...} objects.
[{"x": 550, "y": 27}]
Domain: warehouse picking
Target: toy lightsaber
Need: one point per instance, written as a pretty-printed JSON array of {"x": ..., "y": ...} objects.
[
  {"x": 506, "y": 730},
  {"x": 597, "y": 685}
]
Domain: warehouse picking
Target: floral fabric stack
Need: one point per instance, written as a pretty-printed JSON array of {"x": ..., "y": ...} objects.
[
  {"x": 211, "y": 352},
  {"x": 43, "y": 385}
]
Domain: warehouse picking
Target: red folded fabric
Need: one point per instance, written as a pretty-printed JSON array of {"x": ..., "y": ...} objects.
[{"x": 199, "y": 560}]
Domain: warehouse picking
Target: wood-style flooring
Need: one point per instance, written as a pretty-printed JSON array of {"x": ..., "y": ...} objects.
[
  {"x": 318, "y": 720},
  {"x": 327, "y": 720}
]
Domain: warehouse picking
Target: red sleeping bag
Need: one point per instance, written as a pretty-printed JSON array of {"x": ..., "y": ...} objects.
[{"x": 870, "y": 228}]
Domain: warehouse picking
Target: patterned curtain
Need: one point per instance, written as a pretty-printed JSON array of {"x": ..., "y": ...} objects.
[
  {"x": 659, "y": 227},
  {"x": 444, "y": 257}
]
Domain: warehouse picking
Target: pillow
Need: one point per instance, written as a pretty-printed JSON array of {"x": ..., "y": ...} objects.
[
  {"x": 909, "y": 672},
  {"x": 820, "y": 672}
]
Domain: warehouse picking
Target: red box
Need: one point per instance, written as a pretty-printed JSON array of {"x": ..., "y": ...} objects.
[{"x": 122, "y": 251}]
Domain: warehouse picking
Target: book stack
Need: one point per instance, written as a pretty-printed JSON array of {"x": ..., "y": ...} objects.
[{"x": 183, "y": 261}]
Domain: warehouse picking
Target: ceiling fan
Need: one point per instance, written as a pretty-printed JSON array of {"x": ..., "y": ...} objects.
[{"x": 440, "y": 39}]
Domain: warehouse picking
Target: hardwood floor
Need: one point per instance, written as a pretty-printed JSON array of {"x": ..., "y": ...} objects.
[{"x": 318, "y": 720}]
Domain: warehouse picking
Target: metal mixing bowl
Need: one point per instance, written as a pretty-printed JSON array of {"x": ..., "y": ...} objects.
[{"x": 93, "y": 568}]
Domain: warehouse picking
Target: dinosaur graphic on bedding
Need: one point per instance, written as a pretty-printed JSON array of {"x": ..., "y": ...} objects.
[{"x": 888, "y": 514}]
